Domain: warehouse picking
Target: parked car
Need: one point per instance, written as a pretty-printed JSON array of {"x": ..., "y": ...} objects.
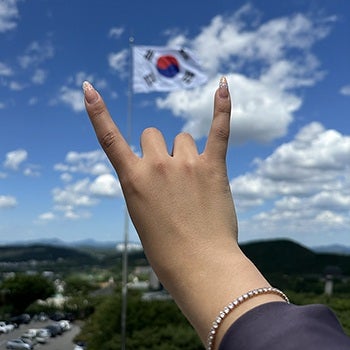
[
  {"x": 18, "y": 344},
  {"x": 43, "y": 335},
  {"x": 65, "y": 325},
  {"x": 40, "y": 317},
  {"x": 29, "y": 341},
  {"x": 80, "y": 346},
  {"x": 30, "y": 334},
  {"x": 3, "y": 329},
  {"x": 36, "y": 335},
  {"x": 57, "y": 316},
  {"x": 54, "y": 329},
  {"x": 6, "y": 327},
  {"x": 20, "y": 319}
]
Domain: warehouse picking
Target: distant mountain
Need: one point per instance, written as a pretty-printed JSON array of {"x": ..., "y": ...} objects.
[
  {"x": 41, "y": 252},
  {"x": 89, "y": 244},
  {"x": 334, "y": 248},
  {"x": 56, "y": 242},
  {"x": 284, "y": 256},
  {"x": 274, "y": 256}
]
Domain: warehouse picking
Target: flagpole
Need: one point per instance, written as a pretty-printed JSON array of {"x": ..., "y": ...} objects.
[{"x": 126, "y": 223}]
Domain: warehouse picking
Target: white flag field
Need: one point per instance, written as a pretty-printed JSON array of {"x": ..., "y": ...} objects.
[{"x": 165, "y": 69}]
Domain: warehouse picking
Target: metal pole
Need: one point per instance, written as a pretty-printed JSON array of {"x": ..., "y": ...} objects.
[
  {"x": 125, "y": 281},
  {"x": 126, "y": 224}
]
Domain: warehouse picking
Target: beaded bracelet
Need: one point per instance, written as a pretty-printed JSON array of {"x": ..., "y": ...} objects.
[{"x": 227, "y": 309}]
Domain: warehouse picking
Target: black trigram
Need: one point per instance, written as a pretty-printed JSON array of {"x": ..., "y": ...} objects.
[
  {"x": 149, "y": 79},
  {"x": 184, "y": 54},
  {"x": 188, "y": 77},
  {"x": 148, "y": 55}
]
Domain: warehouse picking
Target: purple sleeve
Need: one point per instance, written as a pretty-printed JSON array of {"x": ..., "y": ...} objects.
[{"x": 277, "y": 326}]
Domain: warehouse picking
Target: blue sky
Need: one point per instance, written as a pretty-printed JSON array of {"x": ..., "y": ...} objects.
[{"x": 287, "y": 63}]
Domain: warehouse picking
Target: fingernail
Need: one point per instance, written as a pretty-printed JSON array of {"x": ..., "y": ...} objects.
[
  {"x": 91, "y": 95},
  {"x": 223, "y": 87}
]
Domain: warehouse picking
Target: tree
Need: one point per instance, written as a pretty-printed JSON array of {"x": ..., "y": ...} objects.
[
  {"x": 22, "y": 290},
  {"x": 77, "y": 285},
  {"x": 157, "y": 325}
]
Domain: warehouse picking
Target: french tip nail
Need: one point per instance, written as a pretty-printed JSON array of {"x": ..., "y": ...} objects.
[
  {"x": 90, "y": 93},
  {"x": 223, "y": 82},
  {"x": 87, "y": 86},
  {"x": 223, "y": 87}
]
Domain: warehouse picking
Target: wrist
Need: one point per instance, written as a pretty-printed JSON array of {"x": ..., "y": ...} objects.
[{"x": 205, "y": 282}]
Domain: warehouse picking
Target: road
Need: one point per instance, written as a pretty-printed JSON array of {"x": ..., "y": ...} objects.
[{"x": 64, "y": 341}]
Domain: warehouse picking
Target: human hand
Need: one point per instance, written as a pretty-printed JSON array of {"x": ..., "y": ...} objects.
[
  {"x": 177, "y": 202},
  {"x": 182, "y": 208}
]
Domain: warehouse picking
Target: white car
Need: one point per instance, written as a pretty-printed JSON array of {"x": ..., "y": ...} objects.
[
  {"x": 80, "y": 346},
  {"x": 18, "y": 344},
  {"x": 36, "y": 335},
  {"x": 5, "y": 328},
  {"x": 65, "y": 325},
  {"x": 43, "y": 335}
]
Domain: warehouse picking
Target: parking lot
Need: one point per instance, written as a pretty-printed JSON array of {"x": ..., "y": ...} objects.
[{"x": 64, "y": 341}]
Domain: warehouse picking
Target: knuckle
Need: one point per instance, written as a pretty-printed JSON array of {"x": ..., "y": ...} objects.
[
  {"x": 189, "y": 167},
  {"x": 97, "y": 110},
  {"x": 108, "y": 139},
  {"x": 222, "y": 133},
  {"x": 160, "y": 166}
]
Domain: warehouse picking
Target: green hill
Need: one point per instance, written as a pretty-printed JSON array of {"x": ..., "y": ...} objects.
[
  {"x": 285, "y": 256},
  {"x": 42, "y": 253},
  {"x": 274, "y": 256}
]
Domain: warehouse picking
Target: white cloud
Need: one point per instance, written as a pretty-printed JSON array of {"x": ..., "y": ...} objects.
[
  {"x": 75, "y": 195},
  {"x": 71, "y": 215},
  {"x": 39, "y": 76},
  {"x": 94, "y": 163},
  {"x": 303, "y": 186},
  {"x": 71, "y": 93},
  {"x": 16, "y": 86},
  {"x": 5, "y": 70},
  {"x": 15, "y": 158},
  {"x": 118, "y": 61},
  {"x": 345, "y": 90},
  {"x": 266, "y": 43},
  {"x": 79, "y": 77},
  {"x": 66, "y": 177},
  {"x": 49, "y": 216},
  {"x": 33, "y": 101},
  {"x": 7, "y": 202},
  {"x": 36, "y": 53},
  {"x": 8, "y": 15},
  {"x": 73, "y": 98},
  {"x": 32, "y": 171},
  {"x": 106, "y": 185},
  {"x": 260, "y": 111},
  {"x": 116, "y": 32},
  {"x": 315, "y": 155},
  {"x": 271, "y": 61}
]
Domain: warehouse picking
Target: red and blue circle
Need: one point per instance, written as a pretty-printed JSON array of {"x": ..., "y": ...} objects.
[{"x": 168, "y": 66}]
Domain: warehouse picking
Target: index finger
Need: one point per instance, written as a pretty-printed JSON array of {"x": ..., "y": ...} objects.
[
  {"x": 219, "y": 133},
  {"x": 110, "y": 138}
]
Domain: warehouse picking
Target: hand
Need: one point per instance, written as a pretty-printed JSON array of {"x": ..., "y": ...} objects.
[
  {"x": 179, "y": 201},
  {"x": 182, "y": 208}
]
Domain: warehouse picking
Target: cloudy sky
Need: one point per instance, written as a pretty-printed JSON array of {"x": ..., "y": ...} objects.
[{"x": 288, "y": 67}]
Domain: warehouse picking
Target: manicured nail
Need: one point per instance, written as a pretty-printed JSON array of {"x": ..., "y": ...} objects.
[
  {"x": 223, "y": 87},
  {"x": 91, "y": 95}
]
